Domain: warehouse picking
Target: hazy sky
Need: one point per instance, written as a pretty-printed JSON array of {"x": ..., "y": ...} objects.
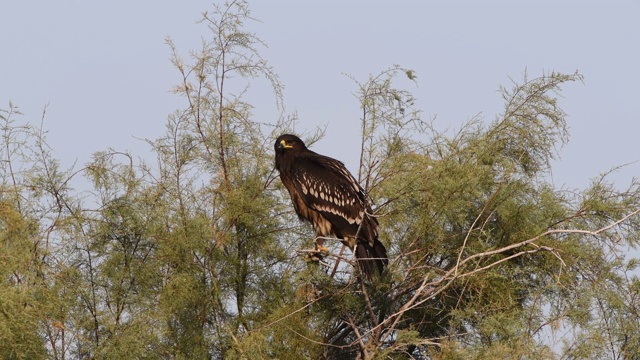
[{"x": 104, "y": 69}]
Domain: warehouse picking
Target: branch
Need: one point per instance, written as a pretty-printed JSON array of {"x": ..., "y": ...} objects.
[
  {"x": 429, "y": 289},
  {"x": 466, "y": 238}
]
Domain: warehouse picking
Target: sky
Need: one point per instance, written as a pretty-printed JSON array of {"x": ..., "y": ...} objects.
[{"x": 103, "y": 69}]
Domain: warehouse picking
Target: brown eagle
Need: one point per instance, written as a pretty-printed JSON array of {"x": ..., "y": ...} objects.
[{"x": 324, "y": 193}]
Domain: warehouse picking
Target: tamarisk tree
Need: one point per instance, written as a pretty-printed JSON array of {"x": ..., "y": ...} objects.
[{"x": 195, "y": 252}]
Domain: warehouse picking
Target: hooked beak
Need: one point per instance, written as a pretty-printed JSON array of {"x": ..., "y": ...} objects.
[{"x": 283, "y": 145}]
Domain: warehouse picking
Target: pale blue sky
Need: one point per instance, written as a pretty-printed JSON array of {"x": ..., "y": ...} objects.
[{"x": 104, "y": 68}]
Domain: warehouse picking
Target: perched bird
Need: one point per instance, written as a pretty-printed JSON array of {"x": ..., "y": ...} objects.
[{"x": 324, "y": 193}]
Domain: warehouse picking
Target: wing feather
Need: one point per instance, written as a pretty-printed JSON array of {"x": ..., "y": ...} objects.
[{"x": 325, "y": 185}]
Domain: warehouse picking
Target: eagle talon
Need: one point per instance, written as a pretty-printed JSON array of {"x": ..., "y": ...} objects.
[
  {"x": 323, "y": 250},
  {"x": 316, "y": 255},
  {"x": 313, "y": 257}
]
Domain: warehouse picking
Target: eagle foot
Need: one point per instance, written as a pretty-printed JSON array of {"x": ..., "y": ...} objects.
[
  {"x": 315, "y": 255},
  {"x": 322, "y": 250}
]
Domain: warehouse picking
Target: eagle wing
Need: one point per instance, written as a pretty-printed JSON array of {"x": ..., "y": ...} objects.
[{"x": 325, "y": 185}]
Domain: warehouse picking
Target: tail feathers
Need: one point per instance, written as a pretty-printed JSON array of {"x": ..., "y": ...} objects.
[{"x": 370, "y": 257}]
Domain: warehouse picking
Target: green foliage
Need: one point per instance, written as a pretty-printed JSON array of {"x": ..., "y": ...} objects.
[
  {"x": 19, "y": 301},
  {"x": 195, "y": 254}
]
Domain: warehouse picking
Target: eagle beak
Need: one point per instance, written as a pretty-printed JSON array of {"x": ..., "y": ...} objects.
[{"x": 283, "y": 145}]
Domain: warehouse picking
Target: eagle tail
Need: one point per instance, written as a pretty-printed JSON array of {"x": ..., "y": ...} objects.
[{"x": 370, "y": 257}]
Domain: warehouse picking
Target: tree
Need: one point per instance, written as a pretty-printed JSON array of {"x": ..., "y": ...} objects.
[
  {"x": 489, "y": 255},
  {"x": 198, "y": 253}
]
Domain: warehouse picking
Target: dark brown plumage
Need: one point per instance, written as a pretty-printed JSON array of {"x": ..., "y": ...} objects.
[{"x": 324, "y": 193}]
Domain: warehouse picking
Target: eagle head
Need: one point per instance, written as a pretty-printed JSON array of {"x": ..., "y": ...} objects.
[
  {"x": 287, "y": 142},
  {"x": 287, "y": 147}
]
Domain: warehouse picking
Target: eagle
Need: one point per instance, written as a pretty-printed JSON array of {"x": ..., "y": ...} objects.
[{"x": 325, "y": 194}]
